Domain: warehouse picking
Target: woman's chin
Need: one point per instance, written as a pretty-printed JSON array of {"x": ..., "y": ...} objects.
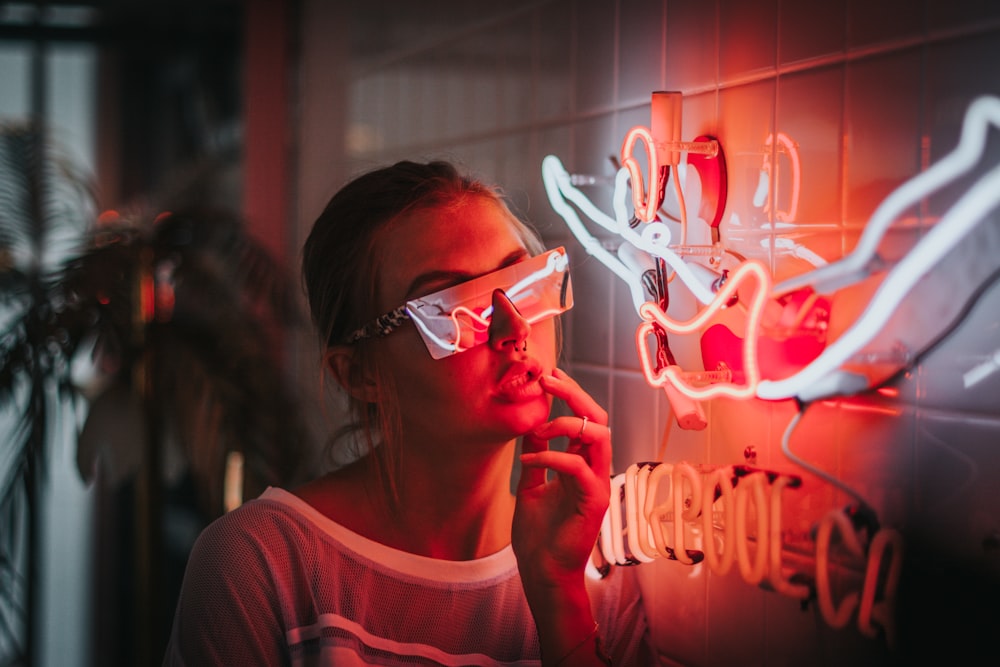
[{"x": 531, "y": 416}]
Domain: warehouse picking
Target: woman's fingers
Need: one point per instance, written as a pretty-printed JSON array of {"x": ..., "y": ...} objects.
[
  {"x": 531, "y": 476},
  {"x": 562, "y": 386},
  {"x": 588, "y": 439},
  {"x": 573, "y": 467}
]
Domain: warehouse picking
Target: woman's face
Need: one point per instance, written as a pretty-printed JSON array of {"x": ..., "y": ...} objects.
[{"x": 491, "y": 392}]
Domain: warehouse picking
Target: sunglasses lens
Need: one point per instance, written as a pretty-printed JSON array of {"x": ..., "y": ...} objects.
[{"x": 457, "y": 318}]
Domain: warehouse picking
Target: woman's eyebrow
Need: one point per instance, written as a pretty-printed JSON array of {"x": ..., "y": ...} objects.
[{"x": 440, "y": 279}]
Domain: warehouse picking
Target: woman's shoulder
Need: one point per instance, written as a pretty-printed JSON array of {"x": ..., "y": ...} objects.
[
  {"x": 284, "y": 525},
  {"x": 267, "y": 522}
]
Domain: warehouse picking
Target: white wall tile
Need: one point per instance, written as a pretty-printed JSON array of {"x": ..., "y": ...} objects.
[
  {"x": 747, "y": 37},
  {"x": 640, "y": 49},
  {"x": 634, "y": 439},
  {"x": 950, "y": 14},
  {"x": 692, "y": 48},
  {"x": 956, "y": 495},
  {"x": 880, "y": 152},
  {"x": 883, "y": 21},
  {"x": 810, "y": 112},
  {"x": 810, "y": 29},
  {"x": 554, "y": 90},
  {"x": 590, "y": 316},
  {"x": 594, "y": 62},
  {"x": 746, "y": 119},
  {"x": 962, "y": 372}
]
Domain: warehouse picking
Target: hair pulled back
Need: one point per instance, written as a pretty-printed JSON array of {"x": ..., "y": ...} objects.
[{"x": 339, "y": 268}]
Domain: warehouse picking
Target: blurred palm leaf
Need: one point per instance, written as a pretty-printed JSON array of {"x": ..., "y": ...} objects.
[
  {"x": 45, "y": 206},
  {"x": 216, "y": 304},
  {"x": 218, "y": 301}
]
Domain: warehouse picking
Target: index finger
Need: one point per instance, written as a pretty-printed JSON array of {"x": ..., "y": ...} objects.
[{"x": 562, "y": 386}]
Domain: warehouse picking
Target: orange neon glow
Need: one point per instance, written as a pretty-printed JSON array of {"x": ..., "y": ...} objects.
[
  {"x": 646, "y": 203},
  {"x": 753, "y": 570},
  {"x": 788, "y": 147},
  {"x": 147, "y": 298},
  {"x": 836, "y": 615},
  {"x": 882, "y": 611},
  {"x": 722, "y": 479},
  {"x": 870, "y": 408},
  {"x": 775, "y": 571},
  {"x": 108, "y": 217},
  {"x": 653, "y": 315}
]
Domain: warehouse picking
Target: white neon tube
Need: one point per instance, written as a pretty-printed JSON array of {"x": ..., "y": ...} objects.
[
  {"x": 819, "y": 378},
  {"x": 653, "y": 239},
  {"x": 983, "y": 112},
  {"x": 615, "y": 543},
  {"x": 883, "y": 612},
  {"x": 653, "y": 511},
  {"x": 607, "y": 549},
  {"x": 681, "y": 472},
  {"x": 634, "y": 527},
  {"x": 559, "y": 189},
  {"x": 644, "y": 531}
]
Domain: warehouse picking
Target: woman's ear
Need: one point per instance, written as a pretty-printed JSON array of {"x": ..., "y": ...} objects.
[{"x": 344, "y": 366}]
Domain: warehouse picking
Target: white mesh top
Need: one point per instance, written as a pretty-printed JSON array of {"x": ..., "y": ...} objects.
[{"x": 277, "y": 583}]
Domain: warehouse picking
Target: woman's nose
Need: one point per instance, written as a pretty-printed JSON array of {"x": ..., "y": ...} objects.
[{"x": 507, "y": 327}]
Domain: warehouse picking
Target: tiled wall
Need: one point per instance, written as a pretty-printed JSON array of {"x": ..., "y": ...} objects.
[{"x": 871, "y": 91}]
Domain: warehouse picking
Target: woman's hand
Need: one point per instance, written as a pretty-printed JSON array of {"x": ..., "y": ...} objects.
[{"x": 556, "y": 521}]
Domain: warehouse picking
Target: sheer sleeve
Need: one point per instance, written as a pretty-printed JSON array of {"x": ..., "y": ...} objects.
[{"x": 229, "y": 610}]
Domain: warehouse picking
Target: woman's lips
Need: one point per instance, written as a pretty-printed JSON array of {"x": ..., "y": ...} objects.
[{"x": 520, "y": 382}]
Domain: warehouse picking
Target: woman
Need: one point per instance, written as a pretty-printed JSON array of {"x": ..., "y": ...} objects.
[{"x": 417, "y": 552}]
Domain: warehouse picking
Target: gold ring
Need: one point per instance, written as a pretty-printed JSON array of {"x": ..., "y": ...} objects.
[{"x": 583, "y": 427}]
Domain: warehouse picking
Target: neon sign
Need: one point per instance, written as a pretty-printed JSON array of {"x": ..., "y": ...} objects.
[{"x": 833, "y": 368}]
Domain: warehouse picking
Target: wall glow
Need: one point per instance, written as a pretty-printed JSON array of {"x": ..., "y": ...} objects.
[{"x": 783, "y": 145}]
